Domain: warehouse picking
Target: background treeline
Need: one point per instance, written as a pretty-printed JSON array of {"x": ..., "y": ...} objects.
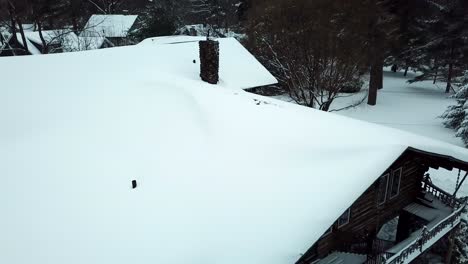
[{"x": 318, "y": 49}]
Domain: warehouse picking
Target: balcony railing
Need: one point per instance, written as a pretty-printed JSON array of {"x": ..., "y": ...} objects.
[
  {"x": 428, "y": 236},
  {"x": 440, "y": 194},
  {"x": 426, "y": 239}
]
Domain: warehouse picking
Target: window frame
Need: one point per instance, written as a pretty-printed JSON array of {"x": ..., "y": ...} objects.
[
  {"x": 386, "y": 175},
  {"x": 400, "y": 170},
  {"x": 348, "y": 213},
  {"x": 328, "y": 232}
]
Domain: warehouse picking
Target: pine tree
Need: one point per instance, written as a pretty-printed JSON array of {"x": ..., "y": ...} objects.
[
  {"x": 441, "y": 49},
  {"x": 456, "y": 116},
  {"x": 461, "y": 243}
]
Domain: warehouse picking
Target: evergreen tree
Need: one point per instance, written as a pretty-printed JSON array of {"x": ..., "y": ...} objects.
[
  {"x": 441, "y": 49},
  {"x": 456, "y": 117},
  {"x": 160, "y": 18}
]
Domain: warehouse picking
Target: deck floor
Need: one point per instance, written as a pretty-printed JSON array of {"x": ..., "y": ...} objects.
[{"x": 433, "y": 212}]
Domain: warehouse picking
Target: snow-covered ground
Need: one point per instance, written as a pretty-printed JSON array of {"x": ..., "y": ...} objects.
[{"x": 411, "y": 107}]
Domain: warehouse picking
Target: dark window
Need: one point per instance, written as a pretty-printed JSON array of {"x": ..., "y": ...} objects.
[
  {"x": 383, "y": 185},
  {"x": 344, "y": 218},
  {"x": 395, "y": 183}
]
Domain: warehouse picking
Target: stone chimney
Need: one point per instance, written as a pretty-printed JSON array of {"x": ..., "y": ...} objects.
[{"x": 209, "y": 61}]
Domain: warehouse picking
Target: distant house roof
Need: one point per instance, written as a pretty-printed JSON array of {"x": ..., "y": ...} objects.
[
  {"x": 66, "y": 38},
  {"x": 109, "y": 26},
  {"x": 239, "y": 69}
]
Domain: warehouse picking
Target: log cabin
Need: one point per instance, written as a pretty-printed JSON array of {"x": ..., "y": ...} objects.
[
  {"x": 115, "y": 28},
  {"x": 424, "y": 214}
]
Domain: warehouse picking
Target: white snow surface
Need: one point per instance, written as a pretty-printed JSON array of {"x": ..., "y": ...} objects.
[
  {"x": 223, "y": 176},
  {"x": 109, "y": 26},
  {"x": 238, "y": 68},
  {"x": 415, "y": 108}
]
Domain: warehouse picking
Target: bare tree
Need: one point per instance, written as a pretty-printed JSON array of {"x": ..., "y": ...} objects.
[
  {"x": 313, "y": 47},
  {"x": 106, "y": 6},
  {"x": 15, "y": 10}
]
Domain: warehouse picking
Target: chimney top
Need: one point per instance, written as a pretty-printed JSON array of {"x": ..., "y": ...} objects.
[{"x": 209, "y": 61}]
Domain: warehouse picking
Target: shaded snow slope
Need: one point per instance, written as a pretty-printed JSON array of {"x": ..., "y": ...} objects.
[{"x": 223, "y": 176}]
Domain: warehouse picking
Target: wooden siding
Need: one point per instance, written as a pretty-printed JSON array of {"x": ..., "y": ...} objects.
[{"x": 367, "y": 217}]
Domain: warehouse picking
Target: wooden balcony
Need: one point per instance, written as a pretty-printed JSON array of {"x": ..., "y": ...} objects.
[
  {"x": 439, "y": 211},
  {"x": 449, "y": 211}
]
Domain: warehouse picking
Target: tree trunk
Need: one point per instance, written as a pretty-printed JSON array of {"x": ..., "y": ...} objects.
[
  {"x": 381, "y": 65},
  {"x": 450, "y": 71},
  {"x": 449, "y": 78},
  {"x": 406, "y": 67},
  {"x": 373, "y": 83},
  {"x": 45, "y": 46},
  {"x": 23, "y": 37},
  {"x": 326, "y": 106},
  {"x": 11, "y": 11},
  {"x": 75, "y": 24},
  {"x": 436, "y": 71}
]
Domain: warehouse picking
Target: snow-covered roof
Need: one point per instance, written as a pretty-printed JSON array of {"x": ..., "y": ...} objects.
[
  {"x": 109, "y": 26},
  {"x": 67, "y": 39},
  {"x": 223, "y": 176},
  {"x": 239, "y": 69}
]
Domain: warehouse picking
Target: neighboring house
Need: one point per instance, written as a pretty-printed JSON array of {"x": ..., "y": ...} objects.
[
  {"x": 140, "y": 160},
  {"x": 58, "y": 41},
  {"x": 116, "y": 28}
]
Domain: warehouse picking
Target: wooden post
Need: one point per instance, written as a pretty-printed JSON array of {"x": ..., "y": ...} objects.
[
  {"x": 448, "y": 257},
  {"x": 460, "y": 185}
]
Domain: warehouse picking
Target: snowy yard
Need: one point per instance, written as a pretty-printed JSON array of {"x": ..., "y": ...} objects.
[
  {"x": 414, "y": 108},
  {"x": 411, "y": 107}
]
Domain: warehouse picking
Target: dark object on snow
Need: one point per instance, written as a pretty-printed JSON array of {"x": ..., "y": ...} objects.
[
  {"x": 134, "y": 184},
  {"x": 209, "y": 61},
  {"x": 394, "y": 68}
]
